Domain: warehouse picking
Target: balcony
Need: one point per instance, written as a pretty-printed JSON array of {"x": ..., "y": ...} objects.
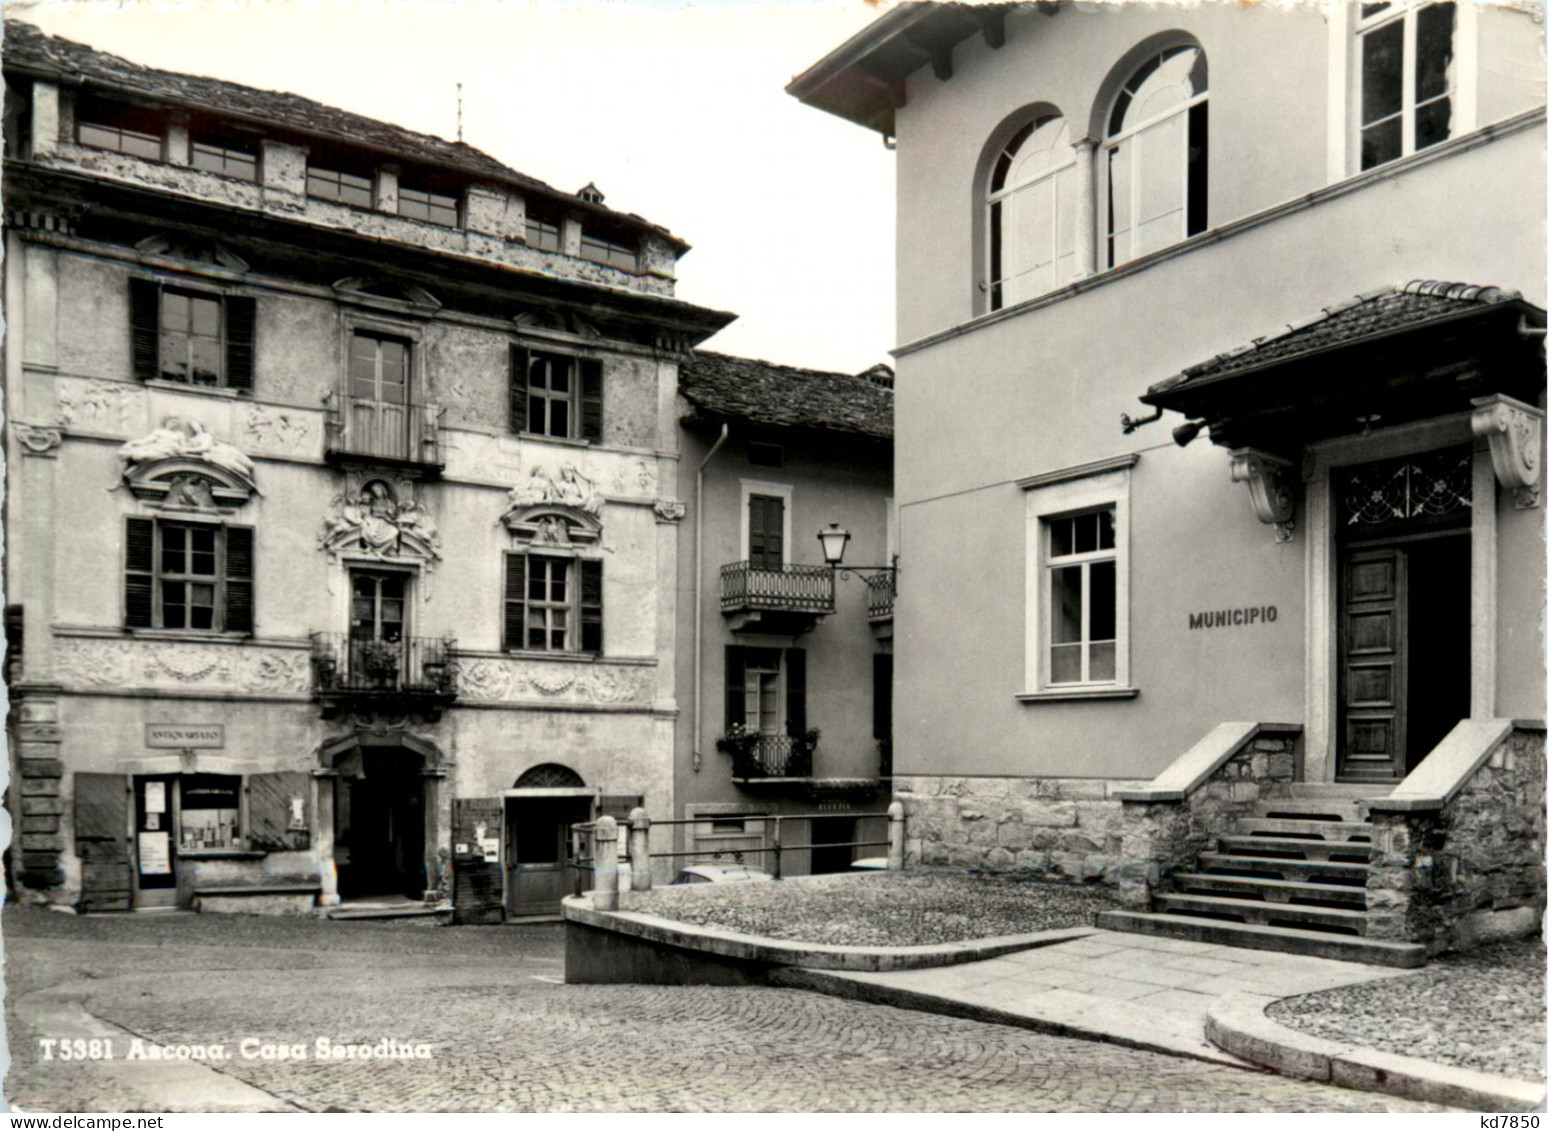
[
  {"x": 881, "y": 588},
  {"x": 786, "y": 600},
  {"x": 771, "y": 758},
  {"x": 396, "y": 435},
  {"x": 416, "y": 674}
]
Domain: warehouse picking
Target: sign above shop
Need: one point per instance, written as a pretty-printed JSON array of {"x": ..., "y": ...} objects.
[{"x": 185, "y": 736}]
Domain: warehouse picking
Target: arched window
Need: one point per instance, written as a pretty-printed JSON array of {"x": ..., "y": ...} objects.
[
  {"x": 1155, "y": 155},
  {"x": 1031, "y": 201},
  {"x": 550, "y": 775}
]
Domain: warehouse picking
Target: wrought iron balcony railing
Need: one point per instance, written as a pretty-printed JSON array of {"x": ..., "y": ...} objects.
[
  {"x": 881, "y": 588},
  {"x": 416, "y": 666},
  {"x": 393, "y": 433},
  {"x": 772, "y": 756},
  {"x": 787, "y": 588}
]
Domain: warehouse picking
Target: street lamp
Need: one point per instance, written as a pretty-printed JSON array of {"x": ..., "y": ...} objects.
[{"x": 834, "y": 540}]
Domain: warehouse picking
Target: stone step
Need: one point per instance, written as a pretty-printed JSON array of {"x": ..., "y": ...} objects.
[
  {"x": 1312, "y": 808},
  {"x": 1349, "y": 921},
  {"x": 1276, "y": 892},
  {"x": 1349, "y": 873},
  {"x": 1359, "y": 791},
  {"x": 1304, "y": 849},
  {"x": 1343, "y": 948},
  {"x": 432, "y": 913},
  {"x": 1291, "y": 827}
]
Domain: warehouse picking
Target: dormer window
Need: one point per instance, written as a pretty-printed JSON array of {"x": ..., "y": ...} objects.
[
  {"x": 120, "y": 128},
  {"x": 433, "y": 208}
]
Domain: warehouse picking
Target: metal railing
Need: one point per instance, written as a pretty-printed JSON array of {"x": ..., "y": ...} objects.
[
  {"x": 408, "y": 433},
  {"x": 416, "y": 665},
  {"x": 636, "y": 833},
  {"x": 881, "y": 588},
  {"x": 789, "y": 588},
  {"x": 772, "y": 756}
]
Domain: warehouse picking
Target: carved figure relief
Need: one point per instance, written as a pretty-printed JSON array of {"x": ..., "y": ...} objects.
[
  {"x": 182, "y": 466},
  {"x": 555, "y": 511},
  {"x": 99, "y": 406},
  {"x": 180, "y": 439},
  {"x": 378, "y": 520},
  {"x": 278, "y": 431},
  {"x": 509, "y": 680},
  {"x": 632, "y": 477},
  {"x": 151, "y": 663}
]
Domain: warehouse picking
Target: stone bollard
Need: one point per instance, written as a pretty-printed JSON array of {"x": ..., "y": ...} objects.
[
  {"x": 639, "y": 850},
  {"x": 605, "y": 864},
  {"x": 895, "y": 837}
]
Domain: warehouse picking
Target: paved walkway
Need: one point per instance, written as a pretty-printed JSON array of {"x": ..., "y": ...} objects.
[{"x": 1134, "y": 989}]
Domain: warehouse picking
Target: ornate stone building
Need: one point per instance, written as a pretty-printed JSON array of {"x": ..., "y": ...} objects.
[{"x": 341, "y": 519}]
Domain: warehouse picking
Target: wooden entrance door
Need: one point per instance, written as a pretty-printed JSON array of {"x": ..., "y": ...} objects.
[
  {"x": 102, "y": 804},
  {"x": 1404, "y": 653},
  {"x": 539, "y": 871}
]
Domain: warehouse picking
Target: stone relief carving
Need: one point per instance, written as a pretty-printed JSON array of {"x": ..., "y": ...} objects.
[
  {"x": 1270, "y": 481},
  {"x": 99, "y": 405},
  {"x": 488, "y": 681},
  {"x": 381, "y": 519},
  {"x": 569, "y": 489},
  {"x": 669, "y": 510},
  {"x": 150, "y": 663},
  {"x": 37, "y": 441},
  {"x": 279, "y": 431},
  {"x": 638, "y": 476},
  {"x": 1512, "y": 429},
  {"x": 185, "y": 439}
]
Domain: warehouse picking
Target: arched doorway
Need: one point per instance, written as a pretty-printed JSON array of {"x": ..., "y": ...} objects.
[
  {"x": 541, "y": 807},
  {"x": 384, "y": 814}
]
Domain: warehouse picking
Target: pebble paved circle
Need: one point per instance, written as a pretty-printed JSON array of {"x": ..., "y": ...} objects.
[{"x": 506, "y": 1038}]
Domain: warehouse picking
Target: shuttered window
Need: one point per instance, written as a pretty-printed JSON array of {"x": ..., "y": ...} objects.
[
  {"x": 766, "y": 689},
  {"x": 552, "y": 604},
  {"x": 191, "y": 336},
  {"x": 556, "y": 395},
  {"x": 766, "y": 531},
  {"x": 189, "y": 576}
]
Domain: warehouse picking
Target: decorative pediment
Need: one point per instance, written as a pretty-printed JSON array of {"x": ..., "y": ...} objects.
[
  {"x": 183, "y": 466},
  {"x": 379, "y": 518},
  {"x": 1512, "y": 429},
  {"x": 390, "y": 294},
  {"x": 549, "y": 525},
  {"x": 195, "y": 251}
]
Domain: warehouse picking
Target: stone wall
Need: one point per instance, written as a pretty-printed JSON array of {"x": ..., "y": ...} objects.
[
  {"x": 1470, "y": 871},
  {"x": 1060, "y": 829},
  {"x": 1160, "y": 835}
]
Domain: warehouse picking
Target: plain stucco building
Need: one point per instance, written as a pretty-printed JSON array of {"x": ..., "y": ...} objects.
[
  {"x": 341, "y": 531},
  {"x": 1093, "y": 206}
]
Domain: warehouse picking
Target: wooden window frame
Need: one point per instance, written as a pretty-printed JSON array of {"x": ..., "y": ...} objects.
[
  {"x": 336, "y": 177},
  {"x": 221, "y": 580},
  {"x": 585, "y": 401},
  {"x": 783, "y": 491},
  {"x": 247, "y": 162},
  {"x": 583, "y": 606},
  {"x": 997, "y": 283},
  {"x": 426, "y": 206},
  {"x": 236, "y": 340}
]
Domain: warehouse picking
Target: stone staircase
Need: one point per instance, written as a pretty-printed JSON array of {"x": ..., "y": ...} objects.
[{"x": 1291, "y": 877}]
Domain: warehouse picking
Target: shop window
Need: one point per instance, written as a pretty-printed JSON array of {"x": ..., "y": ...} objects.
[
  {"x": 1406, "y": 76},
  {"x": 1078, "y": 585},
  {"x": 557, "y": 395},
  {"x": 553, "y": 604},
  {"x": 188, "y": 576},
  {"x": 1031, "y": 213},
  {"x": 211, "y": 810},
  {"x": 1156, "y": 156},
  {"x": 190, "y": 336}
]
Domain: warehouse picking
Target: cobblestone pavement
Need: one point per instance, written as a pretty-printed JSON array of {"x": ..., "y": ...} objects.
[{"x": 506, "y": 1035}]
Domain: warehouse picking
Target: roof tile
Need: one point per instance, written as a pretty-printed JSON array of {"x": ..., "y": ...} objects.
[{"x": 765, "y": 393}]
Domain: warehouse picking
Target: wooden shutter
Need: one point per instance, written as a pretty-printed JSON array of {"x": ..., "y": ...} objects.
[
  {"x": 139, "y": 575},
  {"x": 882, "y": 695},
  {"x": 795, "y": 691},
  {"x": 241, "y": 315},
  {"x": 736, "y": 681},
  {"x": 145, "y": 328},
  {"x": 516, "y": 602},
  {"x": 478, "y": 889},
  {"x": 591, "y": 606},
  {"x": 239, "y": 579},
  {"x": 518, "y": 389},
  {"x": 102, "y": 804},
  {"x": 271, "y": 809},
  {"x": 766, "y": 531},
  {"x": 591, "y": 399}
]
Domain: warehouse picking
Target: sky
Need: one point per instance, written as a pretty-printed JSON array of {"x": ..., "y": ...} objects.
[{"x": 677, "y": 111}]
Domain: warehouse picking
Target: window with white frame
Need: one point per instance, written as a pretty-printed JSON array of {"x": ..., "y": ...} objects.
[
  {"x": 1031, "y": 203},
  {"x": 1078, "y": 582},
  {"x": 1406, "y": 78},
  {"x": 1155, "y": 156}
]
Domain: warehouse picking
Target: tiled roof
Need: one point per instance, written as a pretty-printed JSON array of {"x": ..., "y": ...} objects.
[
  {"x": 28, "y": 49},
  {"x": 1404, "y": 306},
  {"x": 741, "y": 388}
]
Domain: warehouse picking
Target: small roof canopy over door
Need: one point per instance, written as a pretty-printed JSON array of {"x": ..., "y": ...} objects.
[{"x": 1404, "y": 353}]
